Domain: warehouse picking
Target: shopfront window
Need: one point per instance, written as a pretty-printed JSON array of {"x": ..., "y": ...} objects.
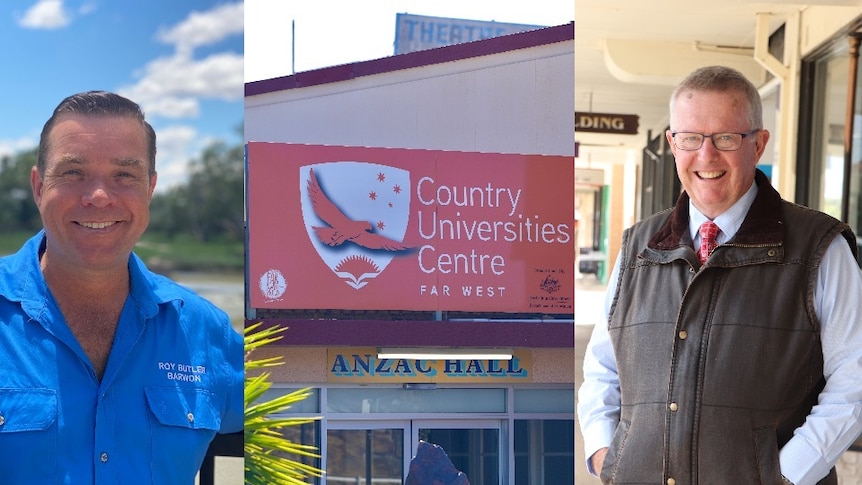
[
  {"x": 365, "y": 456},
  {"x": 544, "y": 451},
  {"x": 834, "y": 184},
  {"x": 826, "y": 189},
  {"x": 497, "y": 436},
  {"x": 473, "y": 450},
  {"x": 394, "y": 400}
]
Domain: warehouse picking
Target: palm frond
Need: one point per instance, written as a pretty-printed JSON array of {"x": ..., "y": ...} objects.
[{"x": 267, "y": 451}]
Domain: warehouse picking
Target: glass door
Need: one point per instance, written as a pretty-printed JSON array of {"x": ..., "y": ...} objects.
[
  {"x": 367, "y": 453},
  {"x": 473, "y": 446}
]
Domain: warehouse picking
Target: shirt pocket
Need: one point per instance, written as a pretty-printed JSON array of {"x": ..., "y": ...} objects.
[
  {"x": 28, "y": 435},
  {"x": 183, "y": 421}
]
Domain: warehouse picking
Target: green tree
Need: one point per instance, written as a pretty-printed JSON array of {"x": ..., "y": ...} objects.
[
  {"x": 209, "y": 206},
  {"x": 215, "y": 193},
  {"x": 267, "y": 451},
  {"x": 18, "y": 212}
]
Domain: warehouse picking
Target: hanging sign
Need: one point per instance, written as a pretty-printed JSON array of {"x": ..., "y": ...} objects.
[{"x": 606, "y": 123}]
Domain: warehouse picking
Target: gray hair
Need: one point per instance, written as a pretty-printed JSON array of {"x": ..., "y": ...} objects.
[{"x": 721, "y": 78}]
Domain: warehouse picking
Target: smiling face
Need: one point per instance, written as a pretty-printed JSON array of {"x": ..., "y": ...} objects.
[
  {"x": 715, "y": 179},
  {"x": 95, "y": 192}
]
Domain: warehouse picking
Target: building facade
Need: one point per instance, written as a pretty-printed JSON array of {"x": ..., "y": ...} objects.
[{"x": 506, "y": 419}]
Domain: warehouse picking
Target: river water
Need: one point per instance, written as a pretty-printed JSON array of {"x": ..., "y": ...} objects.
[{"x": 225, "y": 290}]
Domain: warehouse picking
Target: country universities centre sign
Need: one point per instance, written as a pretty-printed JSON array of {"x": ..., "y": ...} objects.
[{"x": 354, "y": 228}]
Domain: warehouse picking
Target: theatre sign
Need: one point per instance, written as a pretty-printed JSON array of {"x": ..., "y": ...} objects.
[{"x": 356, "y": 228}]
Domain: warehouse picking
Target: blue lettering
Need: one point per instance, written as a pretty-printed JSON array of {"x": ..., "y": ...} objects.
[
  {"x": 403, "y": 367},
  {"x": 365, "y": 365},
  {"x": 429, "y": 371},
  {"x": 449, "y": 367},
  {"x": 383, "y": 367},
  {"x": 514, "y": 368},
  {"x": 475, "y": 367},
  {"x": 427, "y": 32},
  {"x": 442, "y": 34},
  {"x": 470, "y": 29},
  {"x": 339, "y": 367},
  {"x": 411, "y": 24},
  {"x": 493, "y": 368},
  {"x": 455, "y": 33}
]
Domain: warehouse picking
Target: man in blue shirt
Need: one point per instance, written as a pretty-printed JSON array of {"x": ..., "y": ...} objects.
[{"x": 110, "y": 373}]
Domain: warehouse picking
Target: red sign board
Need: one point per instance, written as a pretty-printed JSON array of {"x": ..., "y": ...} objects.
[{"x": 358, "y": 228}]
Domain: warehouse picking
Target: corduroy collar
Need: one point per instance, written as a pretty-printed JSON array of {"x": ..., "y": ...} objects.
[{"x": 764, "y": 223}]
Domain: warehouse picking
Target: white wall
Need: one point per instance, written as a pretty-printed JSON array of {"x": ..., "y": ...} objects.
[{"x": 513, "y": 102}]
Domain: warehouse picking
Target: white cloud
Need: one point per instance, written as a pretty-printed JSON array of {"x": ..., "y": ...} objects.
[
  {"x": 172, "y": 87},
  {"x": 177, "y": 145},
  {"x": 14, "y": 147},
  {"x": 204, "y": 28},
  {"x": 46, "y": 14},
  {"x": 86, "y": 8}
]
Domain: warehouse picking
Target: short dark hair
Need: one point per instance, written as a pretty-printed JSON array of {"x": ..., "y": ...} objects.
[
  {"x": 97, "y": 103},
  {"x": 722, "y": 79}
]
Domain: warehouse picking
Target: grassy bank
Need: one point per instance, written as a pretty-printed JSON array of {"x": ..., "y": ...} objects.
[
  {"x": 164, "y": 254},
  {"x": 182, "y": 253}
]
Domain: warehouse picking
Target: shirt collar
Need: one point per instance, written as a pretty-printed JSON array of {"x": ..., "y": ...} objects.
[
  {"x": 28, "y": 285},
  {"x": 728, "y": 221}
]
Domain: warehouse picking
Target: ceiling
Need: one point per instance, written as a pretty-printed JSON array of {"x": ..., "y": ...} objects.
[{"x": 629, "y": 54}]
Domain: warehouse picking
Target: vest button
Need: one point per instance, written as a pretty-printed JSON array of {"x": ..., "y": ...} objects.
[
  {"x": 673, "y": 406},
  {"x": 683, "y": 335},
  {"x": 671, "y": 481}
]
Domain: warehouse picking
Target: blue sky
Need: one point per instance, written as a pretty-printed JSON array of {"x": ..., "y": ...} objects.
[{"x": 181, "y": 60}]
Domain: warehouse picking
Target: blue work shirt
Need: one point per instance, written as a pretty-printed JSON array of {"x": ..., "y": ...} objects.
[{"x": 172, "y": 380}]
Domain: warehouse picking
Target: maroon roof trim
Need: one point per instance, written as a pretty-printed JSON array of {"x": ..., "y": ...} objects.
[
  {"x": 496, "y": 45},
  {"x": 378, "y": 333}
]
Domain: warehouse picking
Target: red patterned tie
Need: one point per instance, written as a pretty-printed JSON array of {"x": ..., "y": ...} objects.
[{"x": 708, "y": 233}]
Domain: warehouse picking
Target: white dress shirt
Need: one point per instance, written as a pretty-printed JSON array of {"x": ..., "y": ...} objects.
[{"x": 834, "y": 422}]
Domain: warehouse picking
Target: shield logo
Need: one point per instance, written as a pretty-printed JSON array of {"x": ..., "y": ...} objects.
[{"x": 356, "y": 216}]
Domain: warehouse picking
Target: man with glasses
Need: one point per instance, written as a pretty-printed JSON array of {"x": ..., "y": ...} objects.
[{"x": 732, "y": 352}]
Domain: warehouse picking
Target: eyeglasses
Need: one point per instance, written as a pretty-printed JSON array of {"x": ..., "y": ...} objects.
[{"x": 726, "y": 142}]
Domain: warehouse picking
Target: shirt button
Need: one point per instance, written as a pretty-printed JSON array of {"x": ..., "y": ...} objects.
[
  {"x": 191, "y": 417},
  {"x": 683, "y": 335},
  {"x": 104, "y": 457},
  {"x": 2, "y": 420},
  {"x": 673, "y": 406},
  {"x": 671, "y": 481}
]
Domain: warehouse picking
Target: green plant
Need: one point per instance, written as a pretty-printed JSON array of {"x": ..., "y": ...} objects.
[{"x": 266, "y": 449}]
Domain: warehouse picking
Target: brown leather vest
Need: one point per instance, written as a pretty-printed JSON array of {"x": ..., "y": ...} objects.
[{"x": 717, "y": 364}]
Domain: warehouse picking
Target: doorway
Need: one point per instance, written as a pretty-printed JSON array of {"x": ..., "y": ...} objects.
[{"x": 379, "y": 452}]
